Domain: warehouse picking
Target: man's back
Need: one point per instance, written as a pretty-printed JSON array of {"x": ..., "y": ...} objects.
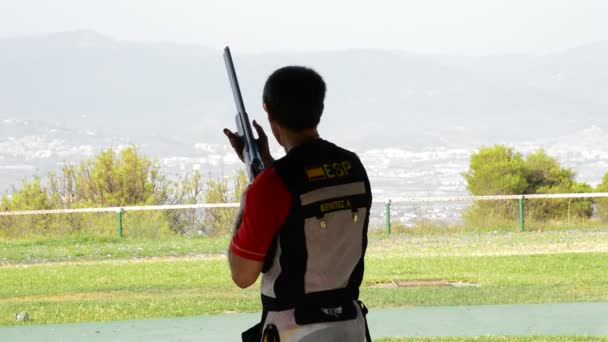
[
  {"x": 303, "y": 222},
  {"x": 312, "y": 274}
]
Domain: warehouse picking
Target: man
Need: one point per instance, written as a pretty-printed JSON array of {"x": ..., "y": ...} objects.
[{"x": 303, "y": 221}]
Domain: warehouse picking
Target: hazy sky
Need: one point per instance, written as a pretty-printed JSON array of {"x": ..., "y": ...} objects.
[{"x": 445, "y": 26}]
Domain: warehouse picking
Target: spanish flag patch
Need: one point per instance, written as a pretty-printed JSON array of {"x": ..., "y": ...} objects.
[{"x": 315, "y": 173}]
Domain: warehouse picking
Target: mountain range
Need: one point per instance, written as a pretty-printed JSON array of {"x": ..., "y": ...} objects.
[{"x": 64, "y": 96}]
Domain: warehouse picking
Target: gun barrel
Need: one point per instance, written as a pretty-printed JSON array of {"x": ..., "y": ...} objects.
[
  {"x": 234, "y": 83},
  {"x": 251, "y": 152}
]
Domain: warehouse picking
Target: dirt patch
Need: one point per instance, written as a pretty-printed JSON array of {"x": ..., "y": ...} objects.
[
  {"x": 37, "y": 262},
  {"x": 421, "y": 283},
  {"x": 121, "y": 295},
  {"x": 87, "y": 296}
]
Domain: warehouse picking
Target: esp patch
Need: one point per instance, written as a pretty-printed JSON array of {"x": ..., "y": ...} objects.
[{"x": 328, "y": 170}]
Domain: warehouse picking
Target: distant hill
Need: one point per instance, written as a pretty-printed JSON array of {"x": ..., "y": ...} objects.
[
  {"x": 86, "y": 81},
  {"x": 414, "y": 119}
]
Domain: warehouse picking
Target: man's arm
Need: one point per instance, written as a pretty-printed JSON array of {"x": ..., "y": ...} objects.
[
  {"x": 264, "y": 207},
  {"x": 244, "y": 271}
]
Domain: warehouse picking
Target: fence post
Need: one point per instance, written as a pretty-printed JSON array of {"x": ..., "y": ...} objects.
[
  {"x": 522, "y": 223},
  {"x": 569, "y": 200},
  {"x": 388, "y": 217},
  {"x": 119, "y": 221}
]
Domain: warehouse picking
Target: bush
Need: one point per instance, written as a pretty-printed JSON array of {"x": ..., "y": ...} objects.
[
  {"x": 118, "y": 179},
  {"x": 602, "y": 203},
  {"x": 498, "y": 170}
]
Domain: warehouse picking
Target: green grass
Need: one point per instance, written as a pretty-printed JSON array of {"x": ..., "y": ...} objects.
[
  {"x": 493, "y": 243},
  {"x": 101, "y": 291},
  {"x": 78, "y": 248},
  {"x": 99, "y": 248},
  {"x": 503, "y": 279},
  {"x": 84, "y": 279},
  {"x": 429, "y": 227},
  {"x": 121, "y": 290}
]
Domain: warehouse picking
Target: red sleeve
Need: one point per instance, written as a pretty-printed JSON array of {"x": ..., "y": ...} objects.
[{"x": 267, "y": 203}]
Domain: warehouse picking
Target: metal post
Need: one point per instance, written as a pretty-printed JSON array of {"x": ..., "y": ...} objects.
[
  {"x": 522, "y": 223},
  {"x": 388, "y": 217},
  {"x": 119, "y": 216},
  {"x": 569, "y": 199}
]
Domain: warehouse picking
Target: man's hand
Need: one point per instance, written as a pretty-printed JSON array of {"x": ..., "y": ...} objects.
[{"x": 238, "y": 144}]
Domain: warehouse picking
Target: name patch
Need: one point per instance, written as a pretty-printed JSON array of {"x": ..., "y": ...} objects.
[{"x": 334, "y": 205}]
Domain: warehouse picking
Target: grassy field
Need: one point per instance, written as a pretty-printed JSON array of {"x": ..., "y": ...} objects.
[
  {"x": 85, "y": 248},
  {"x": 99, "y": 291},
  {"x": 100, "y": 280}
]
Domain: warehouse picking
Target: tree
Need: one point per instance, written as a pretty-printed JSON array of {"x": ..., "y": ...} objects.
[
  {"x": 62, "y": 189},
  {"x": 188, "y": 191},
  {"x": 499, "y": 170},
  {"x": 545, "y": 175},
  {"x": 111, "y": 178},
  {"x": 602, "y": 203},
  {"x": 191, "y": 189},
  {"x": 31, "y": 196},
  {"x": 218, "y": 191},
  {"x": 496, "y": 170},
  {"x": 240, "y": 183},
  {"x": 117, "y": 179}
]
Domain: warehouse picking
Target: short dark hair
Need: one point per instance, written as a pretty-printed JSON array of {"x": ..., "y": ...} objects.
[{"x": 294, "y": 97}]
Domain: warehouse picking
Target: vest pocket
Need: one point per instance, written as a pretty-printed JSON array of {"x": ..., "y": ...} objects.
[
  {"x": 334, "y": 247},
  {"x": 310, "y": 313}
]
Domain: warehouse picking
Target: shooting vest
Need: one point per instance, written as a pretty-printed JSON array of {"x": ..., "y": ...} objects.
[{"x": 312, "y": 273}]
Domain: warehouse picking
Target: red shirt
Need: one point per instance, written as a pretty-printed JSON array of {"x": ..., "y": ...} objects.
[{"x": 267, "y": 204}]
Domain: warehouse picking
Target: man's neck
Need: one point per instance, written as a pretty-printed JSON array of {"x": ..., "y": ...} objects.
[{"x": 300, "y": 138}]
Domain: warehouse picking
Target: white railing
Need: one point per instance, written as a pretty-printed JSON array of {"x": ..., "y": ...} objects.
[
  {"x": 497, "y": 197},
  {"x": 118, "y": 209},
  {"x": 208, "y": 218}
]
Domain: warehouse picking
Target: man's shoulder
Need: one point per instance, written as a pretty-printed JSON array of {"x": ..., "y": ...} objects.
[
  {"x": 268, "y": 188},
  {"x": 334, "y": 146},
  {"x": 267, "y": 177},
  {"x": 268, "y": 182}
]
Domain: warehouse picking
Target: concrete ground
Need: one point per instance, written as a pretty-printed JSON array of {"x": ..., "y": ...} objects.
[{"x": 582, "y": 319}]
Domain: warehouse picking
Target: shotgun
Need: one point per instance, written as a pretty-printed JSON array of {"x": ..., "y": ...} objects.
[{"x": 251, "y": 152}]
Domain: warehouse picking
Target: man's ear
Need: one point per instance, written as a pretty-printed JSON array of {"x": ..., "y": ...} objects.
[{"x": 266, "y": 110}]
